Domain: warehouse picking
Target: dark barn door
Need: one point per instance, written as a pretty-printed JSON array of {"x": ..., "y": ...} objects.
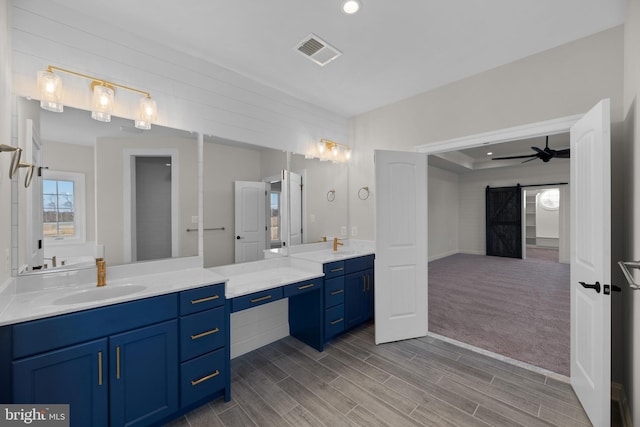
[{"x": 504, "y": 221}]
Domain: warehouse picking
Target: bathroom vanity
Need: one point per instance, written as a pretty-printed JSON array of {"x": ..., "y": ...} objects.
[{"x": 155, "y": 346}]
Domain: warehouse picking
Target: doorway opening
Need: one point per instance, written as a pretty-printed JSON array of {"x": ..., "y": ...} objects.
[{"x": 502, "y": 297}]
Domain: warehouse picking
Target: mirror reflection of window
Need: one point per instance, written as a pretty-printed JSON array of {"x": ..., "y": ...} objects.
[
  {"x": 62, "y": 206},
  {"x": 275, "y": 219}
]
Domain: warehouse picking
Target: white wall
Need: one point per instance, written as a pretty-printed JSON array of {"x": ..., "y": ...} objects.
[
  {"x": 192, "y": 94},
  {"x": 444, "y": 213},
  {"x": 547, "y": 221},
  {"x": 629, "y": 207}
]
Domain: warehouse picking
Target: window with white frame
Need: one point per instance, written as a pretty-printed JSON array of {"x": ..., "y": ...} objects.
[{"x": 63, "y": 206}]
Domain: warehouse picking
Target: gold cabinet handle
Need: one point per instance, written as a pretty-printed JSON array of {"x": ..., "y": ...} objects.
[
  {"x": 261, "y": 299},
  {"x": 204, "y": 334},
  {"x": 117, "y": 362},
  {"x": 99, "y": 368},
  {"x": 339, "y": 291},
  {"x": 198, "y": 301},
  {"x": 310, "y": 285},
  {"x": 336, "y": 321},
  {"x": 336, "y": 269},
  {"x": 364, "y": 283},
  {"x": 203, "y": 379}
]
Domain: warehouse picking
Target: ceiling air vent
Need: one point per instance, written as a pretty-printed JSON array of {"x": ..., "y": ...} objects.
[{"x": 317, "y": 50}]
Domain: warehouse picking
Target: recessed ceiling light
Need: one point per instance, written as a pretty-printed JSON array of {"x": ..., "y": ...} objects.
[
  {"x": 489, "y": 153},
  {"x": 350, "y": 6}
]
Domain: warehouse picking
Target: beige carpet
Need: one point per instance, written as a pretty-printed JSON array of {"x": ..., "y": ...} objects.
[{"x": 517, "y": 308}]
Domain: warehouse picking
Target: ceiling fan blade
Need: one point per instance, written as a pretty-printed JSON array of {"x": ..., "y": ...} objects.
[
  {"x": 538, "y": 150},
  {"x": 515, "y": 157},
  {"x": 530, "y": 159},
  {"x": 563, "y": 154}
]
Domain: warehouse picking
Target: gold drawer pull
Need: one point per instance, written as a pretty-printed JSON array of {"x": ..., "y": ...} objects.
[
  {"x": 208, "y": 377},
  {"x": 337, "y": 321},
  {"x": 339, "y": 291},
  {"x": 204, "y": 334},
  {"x": 117, "y": 362},
  {"x": 198, "y": 301},
  {"x": 336, "y": 269},
  {"x": 310, "y": 285},
  {"x": 261, "y": 299}
]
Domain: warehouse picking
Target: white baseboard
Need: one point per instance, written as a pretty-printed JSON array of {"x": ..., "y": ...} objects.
[
  {"x": 442, "y": 255},
  {"x": 618, "y": 394}
]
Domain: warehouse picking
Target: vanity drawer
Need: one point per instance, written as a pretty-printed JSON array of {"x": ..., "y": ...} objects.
[
  {"x": 358, "y": 264},
  {"x": 334, "y": 321},
  {"x": 255, "y": 299},
  {"x": 201, "y": 377},
  {"x": 334, "y": 291},
  {"x": 333, "y": 269},
  {"x": 202, "y": 332},
  {"x": 302, "y": 287},
  {"x": 200, "y": 299}
]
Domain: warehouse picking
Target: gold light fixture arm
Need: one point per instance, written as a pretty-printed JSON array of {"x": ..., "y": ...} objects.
[
  {"x": 15, "y": 158},
  {"x": 97, "y": 81}
]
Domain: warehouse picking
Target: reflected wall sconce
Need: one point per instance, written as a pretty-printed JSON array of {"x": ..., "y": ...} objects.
[
  {"x": 625, "y": 266},
  {"x": 331, "y": 150},
  {"x": 15, "y": 157},
  {"x": 50, "y": 87}
]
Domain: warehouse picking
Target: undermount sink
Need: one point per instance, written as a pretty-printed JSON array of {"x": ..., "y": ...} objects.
[{"x": 98, "y": 294}]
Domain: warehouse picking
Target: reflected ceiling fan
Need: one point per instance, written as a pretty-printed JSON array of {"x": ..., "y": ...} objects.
[{"x": 544, "y": 155}]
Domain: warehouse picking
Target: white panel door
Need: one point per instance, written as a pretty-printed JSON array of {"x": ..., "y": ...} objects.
[
  {"x": 35, "y": 233},
  {"x": 296, "y": 208},
  {"x": 591, "y": 263},
  {"x": 250, "y": 220},
  {"x": 401, "y": 290}
]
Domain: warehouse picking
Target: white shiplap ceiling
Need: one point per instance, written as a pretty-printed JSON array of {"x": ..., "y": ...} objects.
[{"x": 391, "y": 49}]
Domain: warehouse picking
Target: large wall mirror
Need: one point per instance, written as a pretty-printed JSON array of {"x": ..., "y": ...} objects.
[
  {"x": 319, "y": 202},
  {"x": 103, "y": 190},
  {"x": 110, "y": 190}
]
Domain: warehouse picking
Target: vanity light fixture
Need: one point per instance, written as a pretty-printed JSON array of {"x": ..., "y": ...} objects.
[
  {"x": 334, "y": 151},
  {"x": 350, "y": 7},
  {"x": 50, "y": 86}
]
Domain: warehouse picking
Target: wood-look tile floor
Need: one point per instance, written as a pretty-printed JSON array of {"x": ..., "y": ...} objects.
[{"x": 418, "y": 382}]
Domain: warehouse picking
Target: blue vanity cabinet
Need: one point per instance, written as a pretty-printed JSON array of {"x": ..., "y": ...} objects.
[
  {"x": 77, "y": 375},
  {"x": 204, "y": 346},
  {"x": 348, "y": 294},
  {"x": 143, "y": 375},
  {"x": 306, "y": 313}
]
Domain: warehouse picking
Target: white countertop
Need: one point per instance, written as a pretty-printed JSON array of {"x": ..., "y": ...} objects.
[
  {"x": 40, "y": 296},
  {"x": 247, "y": 278},
  {"x": 36, "y": 304}
]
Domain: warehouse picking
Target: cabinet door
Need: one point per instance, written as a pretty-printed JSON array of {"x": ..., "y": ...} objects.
[
  {"x": 354, "y": 299},
  {"x": 144, "y": 374},
  {"x": 368, "y": 294},
  {"x": 74, "y": 375}
]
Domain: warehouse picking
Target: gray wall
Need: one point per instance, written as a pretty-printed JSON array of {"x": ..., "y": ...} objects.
[{"x": 5, "y": 137}]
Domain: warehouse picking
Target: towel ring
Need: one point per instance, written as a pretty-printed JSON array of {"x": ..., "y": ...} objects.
[
  {"x": 331, "y": 195},
  {"x": 363, "y": 193}
]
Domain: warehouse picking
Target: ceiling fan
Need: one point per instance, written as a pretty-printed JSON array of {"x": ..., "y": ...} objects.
[{"x": 544, "y": 155}]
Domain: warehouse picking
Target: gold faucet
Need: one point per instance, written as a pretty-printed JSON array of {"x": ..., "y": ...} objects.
[
  {"x": 101, "y": 264},
  {"x": 336, "y": 243}
]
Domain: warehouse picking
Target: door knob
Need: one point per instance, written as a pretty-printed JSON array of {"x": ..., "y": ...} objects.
[
  {"x": 595, "y": 287},
  {"x": 238, "y": 237}
]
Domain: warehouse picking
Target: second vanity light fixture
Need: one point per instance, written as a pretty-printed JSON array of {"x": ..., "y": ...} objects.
[
  {"x": 50, "y": 86},
  {"x": 331, "y": 150}
]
